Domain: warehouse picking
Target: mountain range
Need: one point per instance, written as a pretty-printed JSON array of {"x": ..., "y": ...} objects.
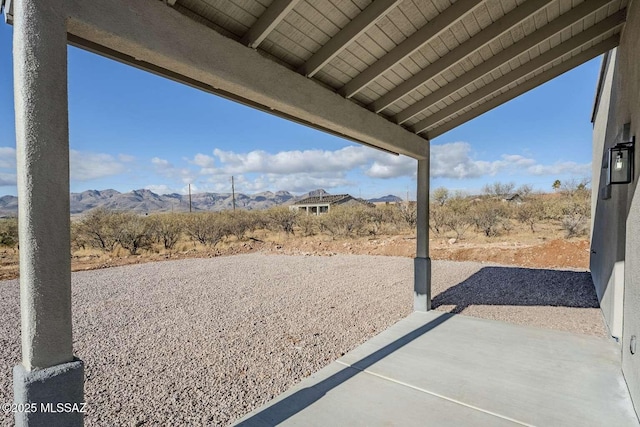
[{"x": 143, "y": 201}]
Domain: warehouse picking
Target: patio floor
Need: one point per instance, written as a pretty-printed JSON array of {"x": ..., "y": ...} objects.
[{"x": 443, "y": 369}]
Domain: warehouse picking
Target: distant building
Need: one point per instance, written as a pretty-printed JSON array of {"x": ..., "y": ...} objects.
[
  {"x": 317, "y": 205},
  {"x": 514, "y": 198}
]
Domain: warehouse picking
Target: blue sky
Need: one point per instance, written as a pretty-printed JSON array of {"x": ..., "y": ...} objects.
[{"x": 130, "y": 129}]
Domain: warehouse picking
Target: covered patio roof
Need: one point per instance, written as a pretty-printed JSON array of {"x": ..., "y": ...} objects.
[
  {"x": 426, "y": 66},
  {"x": 388, "y": 74}
]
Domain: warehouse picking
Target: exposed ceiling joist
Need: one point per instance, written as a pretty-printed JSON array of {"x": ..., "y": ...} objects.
[
  {"x": 488, "y": 34},
  {"x": 527, "y": 68},
  {"x": 414, "y": 42},
  {"x": 504, "y": 56},
  {"x": 149, "y": 35},
  {"x": 269, "y": 19},
  {"x": 361, "y": 23},
  {"x": 7, "y": 8},
  {"x": 530, "y": 84}
]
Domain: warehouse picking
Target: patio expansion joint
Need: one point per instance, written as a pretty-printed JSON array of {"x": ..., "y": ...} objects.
[{"x": 438, "y": 395}]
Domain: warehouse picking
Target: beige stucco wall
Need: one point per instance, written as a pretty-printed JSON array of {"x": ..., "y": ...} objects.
[{"x": 616, "y": 230}]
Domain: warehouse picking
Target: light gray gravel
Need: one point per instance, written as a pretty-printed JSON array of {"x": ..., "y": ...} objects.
[{"x": 204, "y": 341}]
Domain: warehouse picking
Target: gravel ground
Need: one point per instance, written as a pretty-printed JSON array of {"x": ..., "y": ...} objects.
[{"x": 204, "y": 341}]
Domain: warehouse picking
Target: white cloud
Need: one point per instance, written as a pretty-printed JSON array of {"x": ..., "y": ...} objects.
[
  {"x": 7, "y": 157},
  {"x": 299, "y": 182},
  {"x": 561, "y": 168},
  {"x": 295, "y": 161},
  {"x": 161, "y": 163},
  {"x": 203, "y": 161},
  {"x": 168, "y": 170},
  {"x": 126, "y": 158},
  {"x": 392, "y": 167},
  {"x": 300, "y": 170},
  {"x": 86, "y": 166},
  {"x": 455, "y": 160},
  {"x": 7, "y": 179}
]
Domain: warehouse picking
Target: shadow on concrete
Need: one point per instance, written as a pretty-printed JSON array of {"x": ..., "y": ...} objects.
[
  {"x": 298, "y": 401},
  {"x": 521, "y": 286}
]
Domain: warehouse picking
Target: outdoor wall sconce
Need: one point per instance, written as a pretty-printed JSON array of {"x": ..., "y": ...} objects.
[{"x": 621, "y": 161}]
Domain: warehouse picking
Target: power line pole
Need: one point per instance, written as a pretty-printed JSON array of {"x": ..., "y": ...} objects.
[
  {"x": 233, "y": 193},
  {"x": 189, "y": 198}
]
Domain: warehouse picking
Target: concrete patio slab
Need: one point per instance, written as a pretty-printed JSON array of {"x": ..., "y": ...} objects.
[{"x": 442, "y": 369}]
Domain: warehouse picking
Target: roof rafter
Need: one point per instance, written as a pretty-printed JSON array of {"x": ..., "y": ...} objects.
[
  {"x": 493, "y": 31},
  {"x": 346, "y": 35},
  {"x": 414, "y": 42},
  {"x": 154, "y": 37},
  {"x": 538, "y": 62},
  {"x": 7, "y": 8},
  {"x": 530, "y": 84},
  {"x": 269, "y": 19},
  {"x": 502, "y": 57}
]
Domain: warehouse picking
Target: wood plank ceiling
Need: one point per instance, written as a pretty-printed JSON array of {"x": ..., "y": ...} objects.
[{"x": 427, "y": 65}]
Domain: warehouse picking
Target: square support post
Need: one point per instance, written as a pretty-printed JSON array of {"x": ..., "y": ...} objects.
[
  {"x": 48, "y": 368},
  {"x": 422, "y": 262}
]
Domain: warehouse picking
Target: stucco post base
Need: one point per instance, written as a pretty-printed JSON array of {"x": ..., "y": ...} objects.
[
  {"x": 46, "y": 388},
  {"x": 422, "y": 285}
]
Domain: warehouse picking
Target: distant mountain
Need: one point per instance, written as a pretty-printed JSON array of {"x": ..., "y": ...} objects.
[
  {"x": 388, "y": 199},
  {"x": 8, "y": 206},
  {"x": 144, "y": 201}
]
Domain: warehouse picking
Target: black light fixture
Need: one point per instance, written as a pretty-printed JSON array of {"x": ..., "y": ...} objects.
[{"x": 620, "y": 162}]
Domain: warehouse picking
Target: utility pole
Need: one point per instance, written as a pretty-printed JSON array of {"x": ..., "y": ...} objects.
[
  {"x": 189, "y": 198},
  {"x": 233, "y": 193}
]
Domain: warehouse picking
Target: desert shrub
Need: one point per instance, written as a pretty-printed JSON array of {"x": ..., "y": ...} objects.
[
  {"x": 499, "y": 189},
  {"x": 488, "y": 215},
  {"x": 167, "y": 229},
  {"x": 437, "y": 218},
  {"x": 99, "y": 229},
  {"x": 347, "y": 221},
  {"x": 455, "y": 215},
  {"x": 388, "y": 219},
  {"x": 206, "y": 228},
  {"x": 308, "y": 224},
  {"x": 79, "y": 239},
  {"x": 530, "y": 213},
  {"x": 525, "y": 190},
  {"x": 9, "y": 232},
  {"x": 375, "y": 218},
  {"x": 239, "y": 222},
  {"x": 134, "y": 232},
  {"x": 552, "y": 209},
  {"x": 282, "y": 219},
  {"x": 456, "y": 221},
  {"x": 408, "y": 213},
  {"x": 440, "y": 196},
  {"x": 576, "y": 208}
]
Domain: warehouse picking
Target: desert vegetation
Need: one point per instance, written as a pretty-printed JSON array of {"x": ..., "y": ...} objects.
[
  {"x": 452, "y": 214},
  {"x": 501, "y": 213}
]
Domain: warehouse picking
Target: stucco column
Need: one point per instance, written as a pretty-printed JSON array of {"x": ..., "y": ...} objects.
[
  {"x": 422, "y": 262},
  {"x": 48, "y": 373}
]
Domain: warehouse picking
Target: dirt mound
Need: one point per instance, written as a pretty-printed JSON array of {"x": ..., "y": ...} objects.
[{"x": 551, "y": 254}]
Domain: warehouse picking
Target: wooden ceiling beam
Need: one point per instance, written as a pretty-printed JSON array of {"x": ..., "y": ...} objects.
[
  {"x": 530, "y": 84},
  {"x": 504, "y": 56},
  {"x": 501, "y": 26},
  {"x": 269, "y": 20},
  {"x": 354, "y": 29},
  {"x": 527, "y": 68},
  {"x": 414, "y": 42}
]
